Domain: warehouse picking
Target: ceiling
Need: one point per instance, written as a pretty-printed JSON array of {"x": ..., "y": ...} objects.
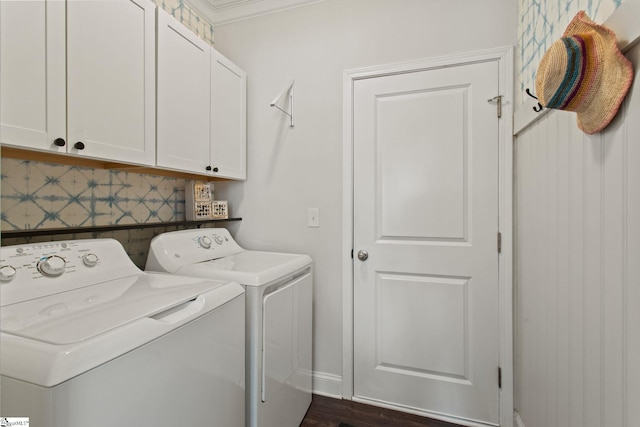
[{"x": 220, "y": 12}]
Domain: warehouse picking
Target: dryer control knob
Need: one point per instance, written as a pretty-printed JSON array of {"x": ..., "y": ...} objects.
[
  {"x": 52, "y": 266},
  {"x": 205, "y": 242},
  {"x": 218, "y": 239},
  {"x": 90, "y": 260},
  {"x": 7, "y": 273}
]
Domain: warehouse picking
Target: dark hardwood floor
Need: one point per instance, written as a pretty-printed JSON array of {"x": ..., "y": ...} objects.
[{"x": 328, "y": 412}]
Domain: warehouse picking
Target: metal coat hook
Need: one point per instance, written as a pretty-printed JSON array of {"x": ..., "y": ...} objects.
[
  {"x": 539, "y": 107},
  {"x": 288, "y": 90}
]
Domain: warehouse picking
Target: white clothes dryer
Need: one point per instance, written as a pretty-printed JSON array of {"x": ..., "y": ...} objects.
[
  {"x": 279, "y": 315},
  {"x": 88, "y": 339}
]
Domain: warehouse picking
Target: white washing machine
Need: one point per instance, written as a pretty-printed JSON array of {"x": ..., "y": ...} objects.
[
  {"x": 88, "y": 339},
  {"x": 279, "y": 315}
]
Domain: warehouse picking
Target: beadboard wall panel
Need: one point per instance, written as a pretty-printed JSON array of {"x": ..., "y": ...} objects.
[{"x": 577, "y": 295}]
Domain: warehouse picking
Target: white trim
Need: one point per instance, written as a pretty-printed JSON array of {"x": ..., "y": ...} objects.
[
  {"x": 504, "y": 56},
  {"x": 427, "y": 64},
  {"x": 328, "y": 385},
  {"x": 348, "y": 79},
  {"x": 244, "y": 9},
  {"x": 623, "y": 21},
  {"x": 519, "y": 422},
  {"x": 434, "y": 415},
  {"x": 505, "y": 225}
]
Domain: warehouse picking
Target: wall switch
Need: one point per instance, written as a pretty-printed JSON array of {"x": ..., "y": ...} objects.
[{"x": 314, "y": 217}]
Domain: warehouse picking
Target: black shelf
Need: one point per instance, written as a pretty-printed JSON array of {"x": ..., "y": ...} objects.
[{"x": 103, "y": 228}]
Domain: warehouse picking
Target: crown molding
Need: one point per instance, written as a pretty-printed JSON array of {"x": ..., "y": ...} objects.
[{"x": 243, "y": 9}]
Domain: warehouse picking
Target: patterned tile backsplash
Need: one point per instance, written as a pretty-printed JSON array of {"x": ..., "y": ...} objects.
[
  {"x": 37, "y": 195},
  {"x": 44, "y": 195},
  {"x": 189, "y": 17},
  {"x": 542, "y": 22}
]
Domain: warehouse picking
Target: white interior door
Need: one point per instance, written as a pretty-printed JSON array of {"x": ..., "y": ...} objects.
[{"x": 426, "y": 309}]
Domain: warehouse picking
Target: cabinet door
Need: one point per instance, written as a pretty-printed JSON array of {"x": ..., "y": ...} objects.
[
  {"x": 111, "y": 79},
  {"x": 228, "y": 118},
  {"x": 32, "y": 74},
  {"x": 183, "y": 97}
]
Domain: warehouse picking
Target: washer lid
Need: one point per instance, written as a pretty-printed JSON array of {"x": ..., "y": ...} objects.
[
  {"x": 78, "y": 315},
  {"x": 128, "y": 313},
  {"x": 249, "y": 268}
]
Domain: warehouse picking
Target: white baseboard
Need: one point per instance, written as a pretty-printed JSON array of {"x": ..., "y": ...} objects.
[
  {"x": 329, "y": 385},
  {"x": 519, "y": 422}
]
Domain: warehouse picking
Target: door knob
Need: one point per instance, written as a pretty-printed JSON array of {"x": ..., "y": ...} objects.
[{"x": 363, "y": 255}]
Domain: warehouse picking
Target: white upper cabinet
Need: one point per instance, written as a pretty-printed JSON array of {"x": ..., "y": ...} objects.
[
  {"x": 102, "y": 104},
  {"x": 228, "y": 118},
  {"x": 201, "y": 105},
  {"x": 184, "y": 86},
  {"x": 32, "y": 74},
  {"x": 111, "y": 79},
  {"x": 79, "y": 77}
]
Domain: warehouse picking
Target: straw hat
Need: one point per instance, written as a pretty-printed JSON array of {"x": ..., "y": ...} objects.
[{"x": 585, "y": 72}]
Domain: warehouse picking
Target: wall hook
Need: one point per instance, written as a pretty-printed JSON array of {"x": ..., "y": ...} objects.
[
  {"x": 289, "y": 91},
  {"x": 539, "y": 107}
]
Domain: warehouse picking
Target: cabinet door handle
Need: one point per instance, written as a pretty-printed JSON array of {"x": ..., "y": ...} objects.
[
  {"x": 208, "y": 168},
  {"x": 78, "y": 145},
  {"x": 215, "y": 169},
  {"x": 59, "y": 142}
]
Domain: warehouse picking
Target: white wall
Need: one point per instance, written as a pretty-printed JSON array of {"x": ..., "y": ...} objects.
[
  {"x": 290, "y": 170},
  {"x": 578, "y": 271}
]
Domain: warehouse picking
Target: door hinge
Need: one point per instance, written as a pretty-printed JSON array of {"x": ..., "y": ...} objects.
[
  {"x": 499, "y": 242},
  {"x": 498, "y": 100},
  {"x": 351, "y": 253},
  {"x": 499, "y": 377}
]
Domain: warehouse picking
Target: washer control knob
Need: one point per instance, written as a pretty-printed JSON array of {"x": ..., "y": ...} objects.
[
  {"x": 218, "y": 239},
  {"x": 7, "y": 273},
  {"x": 90, "y": 260},
  {"x": 205, "y": 242},
  {"x": 52, "y": 266}
]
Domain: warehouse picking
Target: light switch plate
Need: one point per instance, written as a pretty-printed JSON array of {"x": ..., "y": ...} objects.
[{"x": 313, "y": 217}]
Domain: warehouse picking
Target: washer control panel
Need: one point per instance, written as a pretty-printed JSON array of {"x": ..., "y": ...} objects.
[{"x": 35, "y": 270}]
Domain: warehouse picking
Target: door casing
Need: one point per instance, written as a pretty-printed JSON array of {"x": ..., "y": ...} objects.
[{"x": 504, "y": 57}]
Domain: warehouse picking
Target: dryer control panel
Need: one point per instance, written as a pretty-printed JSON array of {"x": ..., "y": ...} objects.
[
  {"x": 172, "y": 250},
  {"x": 40, "y": 269}
]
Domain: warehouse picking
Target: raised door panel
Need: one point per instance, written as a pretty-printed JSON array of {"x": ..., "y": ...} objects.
[
  {"x": 111, "y": 79},
  {"x": 32, "y": 74},
  {"x": 184, "y": 86},
  {"x": 228, "y": 118}
]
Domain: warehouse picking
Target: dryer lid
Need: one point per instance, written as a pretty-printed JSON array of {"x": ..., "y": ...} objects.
[{"x": 79, "y": 315}]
